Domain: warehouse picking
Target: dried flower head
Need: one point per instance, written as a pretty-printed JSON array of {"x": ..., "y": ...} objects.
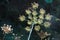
[
  {"x": 7, "y": 28},
  {"x": 30, "y": 17}
]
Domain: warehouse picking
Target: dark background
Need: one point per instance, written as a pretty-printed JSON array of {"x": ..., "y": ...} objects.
[{"x": 11, "y": 9}]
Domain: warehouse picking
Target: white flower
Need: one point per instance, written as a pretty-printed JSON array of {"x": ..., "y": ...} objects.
[
  {"x": 40, "y": 21},
  {"x": 47, "y": 24},
  {"x": 48, "y": 17},
  {"x": 42, "y": 11},
  {"x": 29, "y": 22},
  {"x": 27, "y": 28},
  {"x": 41, "y": 16},
  {"x": 6, "y": 28},
  {"x": 35, "y": 5},
  {"x": 22, "y": 18},
  {"x": 44, "y": 34},
  {"x": 47, "y": 34},
  {"x": 37, "y": 28},
  {"x": 34, "y": 13},
  {"x": 28, "y": 11}
]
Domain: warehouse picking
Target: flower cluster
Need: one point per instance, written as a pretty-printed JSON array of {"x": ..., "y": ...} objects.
[{"x": 36, "y": 17}]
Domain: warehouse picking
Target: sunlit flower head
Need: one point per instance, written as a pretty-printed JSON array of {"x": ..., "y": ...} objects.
[
  {"x": 29, "y": 22},
  {"x": 40, "y": 21},
  {"x": 22, "y": 18},
  {"x": 48, "y": 17},
  {"x": 35, "y": 5},
  {"x": 6, "y": 28},
  {"x": 41, "y": 16},
  {"x": 47, "y": 24},
  {"x": 27, "y": 28},
  {"x": 42, "y": 11},
  {"x": 28, "y": 11},
  {"x": 34, "y": 13},
  {"x": 37, "y": 28}
]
